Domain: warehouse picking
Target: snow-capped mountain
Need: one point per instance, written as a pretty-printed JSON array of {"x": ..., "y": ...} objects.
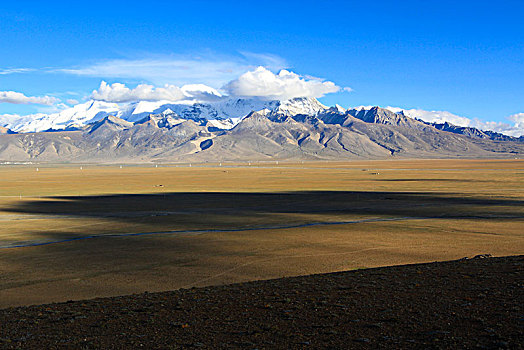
[
  {"x": 295, "y": 106},
  {"x": 224, "y": 113},
  {"x": 293, "y": 129},
  {"x": 73, "y": 117}
]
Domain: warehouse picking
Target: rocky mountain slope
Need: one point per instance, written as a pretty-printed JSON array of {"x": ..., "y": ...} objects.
[
  {"x": 474, "y": 132},
  {"x": 289, "y": 130}
]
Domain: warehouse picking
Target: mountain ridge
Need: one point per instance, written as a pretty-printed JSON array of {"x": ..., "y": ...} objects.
[
  {"x": 223, "y": 113},
  {"x": 282, "y": 132}
]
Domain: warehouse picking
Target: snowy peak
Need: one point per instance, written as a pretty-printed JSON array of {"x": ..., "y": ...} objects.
[
  {"x": 74, "y": 117},
  {"x": 300, "y": 105},
  {"x": 136, "y": 111},
  {"x": 168, "y": 112},
  {"x": 240, "y": 107},
  {"x": 337, "y": 109},
  {"x": 225, "y": 110}
]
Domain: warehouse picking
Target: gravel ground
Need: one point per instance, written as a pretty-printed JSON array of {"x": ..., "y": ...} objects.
[{"x": 469, "y": 303}]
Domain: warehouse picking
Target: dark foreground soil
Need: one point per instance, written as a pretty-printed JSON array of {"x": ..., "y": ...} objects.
[{"x": 474, "y": 303}]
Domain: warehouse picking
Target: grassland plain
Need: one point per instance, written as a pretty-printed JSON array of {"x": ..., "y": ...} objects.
[{"x": 142, "y": 228}]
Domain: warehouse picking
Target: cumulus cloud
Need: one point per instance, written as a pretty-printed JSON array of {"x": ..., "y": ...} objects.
[
  {"x": 20, "y": 98},
  {"x": 210, "y": 69},
  {"x": 518, "y": 119},
  {"x": 263, "y": 83},
  {"x": 120, "y": 93}
]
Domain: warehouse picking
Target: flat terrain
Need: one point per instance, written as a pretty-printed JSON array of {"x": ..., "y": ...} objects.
[
  {"x": 464, "y": 304},
  {"x": 77, "y": 232}
]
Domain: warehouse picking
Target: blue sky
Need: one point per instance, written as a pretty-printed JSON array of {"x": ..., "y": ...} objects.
[{"x": 466, "y": 57}]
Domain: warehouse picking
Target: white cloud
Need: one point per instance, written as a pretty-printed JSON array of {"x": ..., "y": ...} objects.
[
  {"x": 201, "y": 92},
  {"x": 57, "y": 107},
  {"x": 433, "y": 116},
  {"x": 264, "y": 84},
  {"x": 267, "y": 60},
  {"x": 120, "y": 93},
  {"x": 516, "y": 129},
  {"x": 15, "y": 70},
  {"x": 20, "y": 98},
  {"x": 259, "y": 83},
  {"x": 72, "y": 101},
  {"x": 518, "y": 119},
  {"x": 210, "y": 69}
]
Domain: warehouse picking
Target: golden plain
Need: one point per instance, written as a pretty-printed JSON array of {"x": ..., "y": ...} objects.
[{"x": 81, "y": 231}]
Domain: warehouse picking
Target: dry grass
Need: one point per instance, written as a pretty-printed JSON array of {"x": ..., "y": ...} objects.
[{"x": 456, "y": 208}]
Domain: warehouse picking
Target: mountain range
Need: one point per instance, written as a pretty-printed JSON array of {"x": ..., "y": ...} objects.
[{"x": 239, "y": 129}]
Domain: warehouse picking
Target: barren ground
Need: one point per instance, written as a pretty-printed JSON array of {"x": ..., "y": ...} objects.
[
  {"x": 212, "y": 225},
  {"x": 462, "y": 304}
]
